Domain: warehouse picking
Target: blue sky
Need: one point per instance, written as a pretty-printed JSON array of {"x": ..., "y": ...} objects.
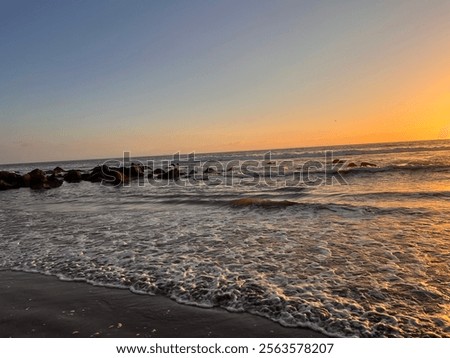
[{"x": 90, "y": 79}]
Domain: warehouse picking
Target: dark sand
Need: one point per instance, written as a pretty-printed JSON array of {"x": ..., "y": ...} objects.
[{"x": 33, "y": 305}]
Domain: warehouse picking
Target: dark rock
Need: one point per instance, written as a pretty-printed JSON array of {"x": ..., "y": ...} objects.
[
  {"x": 158, "y": 171},
  {"x": 338, "y": 161},
  {"x": 37, "y": 173},
  {"x": 10, "y": 180},
  {"x": 5, "y": 186},
  {"x": 98, "y": 174},
  {"x": 173, "y": 174},
  {"x": 136, "y": 170},
  {"x": 97, "y": 169},
  {"x": 26, "y": 180},
  {"x": 351, "y": 165},
  {"x": 73, "y": 176},
  {"x": 109, "y": 175},
  {"x": 210, "y": 170},
  {"x": 119, "y": 178},
  {"x": 37, "y": 179},
  {"x": 52, "y": 182},
  {"x": 367, "y": 164},
  {"x": 95, "y": 176},
  {"x": 58, "y": 171}
]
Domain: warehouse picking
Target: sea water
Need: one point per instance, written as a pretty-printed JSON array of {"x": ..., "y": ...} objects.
[{"x": 285, "y": 234}]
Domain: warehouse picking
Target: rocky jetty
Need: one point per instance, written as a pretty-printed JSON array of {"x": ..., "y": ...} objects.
[
  {"x": 119, "y": 175},
  {"x": 354, "y": 165},
  {"x": 39, "y": 179},
  {"x": 108, "y": 175},
  {"x": 339, "y": 161}
]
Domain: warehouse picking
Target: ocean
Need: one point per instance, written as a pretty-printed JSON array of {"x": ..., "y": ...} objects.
[{"x": 300, "y": 236}]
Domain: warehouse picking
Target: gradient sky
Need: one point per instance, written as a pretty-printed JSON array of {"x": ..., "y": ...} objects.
[{"x": 90, "y": 79}]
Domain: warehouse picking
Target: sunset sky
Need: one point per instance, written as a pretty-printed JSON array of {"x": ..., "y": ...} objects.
[{"x": 90, "y": 79}]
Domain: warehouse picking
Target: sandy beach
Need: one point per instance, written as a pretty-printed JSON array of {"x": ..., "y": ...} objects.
[{"x": 34, "y": 305}]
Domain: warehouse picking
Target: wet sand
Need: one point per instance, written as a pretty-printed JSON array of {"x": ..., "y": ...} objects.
[{"x": 34, "y": 305}]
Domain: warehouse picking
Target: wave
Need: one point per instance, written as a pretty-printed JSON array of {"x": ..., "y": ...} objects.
[
  {"x": 281, "y": 199},
  {"x": 397, "y": 168},
  {"x": 323, "y": 169},
  {"x": 371, "y": 151},
  {"x": 266, "y": 203},
  {"x": 292, "y": 189},
  {"x": 338, "y": 151},
  {"x": 399, "y": 195},
  {"x": 338, "y": 209},
  {"x": 337, "y": 315}
]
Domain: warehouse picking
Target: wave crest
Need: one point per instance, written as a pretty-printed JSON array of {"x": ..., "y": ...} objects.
[{"x": 266, "y": 203}]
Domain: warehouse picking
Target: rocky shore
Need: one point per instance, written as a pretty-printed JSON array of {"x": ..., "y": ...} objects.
[{"x": 39, "y": 179}]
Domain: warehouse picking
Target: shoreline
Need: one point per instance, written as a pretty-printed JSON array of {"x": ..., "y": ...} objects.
[{"x": 33, "y": 305}]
